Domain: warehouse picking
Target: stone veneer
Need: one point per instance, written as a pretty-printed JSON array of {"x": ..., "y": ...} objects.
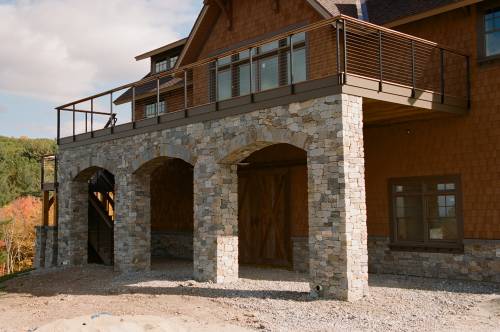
[
  {"x": 172, "y": 244},
  {"x": 329, "y": 129},
  {"x": 45, "y": 247},
  {"x": 300, "y": 254},
  {"x": 480, "y": 261}
]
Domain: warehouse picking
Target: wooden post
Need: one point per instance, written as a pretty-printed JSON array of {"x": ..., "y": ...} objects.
[
  {"x": 46, "y": 208},
  {"x": 54, "y": 209}
]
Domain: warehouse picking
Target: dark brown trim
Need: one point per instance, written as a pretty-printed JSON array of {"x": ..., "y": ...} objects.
[
  {"x": 427, "y": 244},
  {"x": 482, "y": 10}
]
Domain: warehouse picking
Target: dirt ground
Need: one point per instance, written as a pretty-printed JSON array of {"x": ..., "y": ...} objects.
[{"x": 94, "y": 298}]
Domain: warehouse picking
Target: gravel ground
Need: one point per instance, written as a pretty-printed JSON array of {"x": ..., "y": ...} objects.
[{"x": 264, "y": 299}]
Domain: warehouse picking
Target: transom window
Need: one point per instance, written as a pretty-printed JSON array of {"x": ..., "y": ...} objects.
[
  {"x": 492, "y": 33},
  {"x": 150, "y": 110},
  {"x": 426, "y": 212},
  {"x": 270, "y": 69}
]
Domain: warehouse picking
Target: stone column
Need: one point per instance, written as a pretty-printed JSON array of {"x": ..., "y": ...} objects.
[
  {"x": 132, "y": 233},
  {"x": 337, "y": 207},
  {"x": 215, "y": 243},
  {"x": 40, "y": 245},
  {"x": 51, "y": 246},
  {"x": 73, "y": 222}
]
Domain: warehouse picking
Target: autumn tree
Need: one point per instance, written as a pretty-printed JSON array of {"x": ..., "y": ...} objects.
[{"x": 17, "y": 232}]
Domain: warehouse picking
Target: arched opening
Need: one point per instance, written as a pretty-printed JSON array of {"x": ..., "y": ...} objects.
[
  {"x": 171, "y": 212},
  {"x": 91, "y": 222},
  {"x": 273, "y": 208},
  {"x": 101, "y": 218}
]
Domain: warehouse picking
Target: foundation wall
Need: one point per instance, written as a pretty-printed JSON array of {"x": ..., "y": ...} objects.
[
  {"x": 177, "y": 245},
  {"x": 480, "y": 261}
]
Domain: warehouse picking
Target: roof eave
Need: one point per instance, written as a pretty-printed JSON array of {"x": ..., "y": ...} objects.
[{"x": 430, "y": 13}]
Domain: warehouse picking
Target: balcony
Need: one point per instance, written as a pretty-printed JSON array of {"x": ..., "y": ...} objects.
[{"x": 400, "y": 78}]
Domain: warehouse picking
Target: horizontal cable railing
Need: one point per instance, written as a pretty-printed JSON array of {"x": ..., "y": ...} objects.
[
  {"x": 340, "y": 46},
  {"x": 48, "y": 176}
]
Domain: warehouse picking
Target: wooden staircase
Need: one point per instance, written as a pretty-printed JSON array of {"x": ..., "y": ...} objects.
[{"x": 101, "y": 218}]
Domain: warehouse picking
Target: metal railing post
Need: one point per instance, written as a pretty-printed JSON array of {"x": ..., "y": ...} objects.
[
  {"x": 112, "y": 124},
  {"x": 441, "y": 74},
  {"x": 58, "y": 126},
  {"x": 42, "y": 172},
  {"x": 291, "y": 61},
  {"x": 380, "y": 61},
  {"x": 86, "y": 122},
  {"x": 185, "y": 90},
  {"x": 216, "y": 81},
  {"x": 337, "y": 28},
  {"x": 345, "y": 52},
  {"x": 413, "y": 78},
  {"x": 133, "y": 103},
  {"x": 74, "y": 122},
  {"x": 250, "y": 56},
  {"x": 157, "y": 97},
  {"x": 92, "y": 117}
]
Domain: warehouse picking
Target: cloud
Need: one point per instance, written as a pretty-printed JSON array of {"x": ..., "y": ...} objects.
[{"x": 58, "y": 50}]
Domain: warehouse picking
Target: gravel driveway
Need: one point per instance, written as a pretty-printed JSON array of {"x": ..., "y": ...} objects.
[{"x": 262, "y": 299}]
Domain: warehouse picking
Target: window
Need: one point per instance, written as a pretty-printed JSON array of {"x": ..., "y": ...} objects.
[
  {"x": 161, "y": 66},
  {"x": 492, "y": 33},
  {"x": 426, "y": 212},
  {"x": 150, "y": 110},
  {"x": 165, "y": 64},
  {"x": 270, "y": 69}
]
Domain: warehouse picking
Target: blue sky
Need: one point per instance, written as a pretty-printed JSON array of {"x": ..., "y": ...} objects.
[{"x": 62, "y": 50}]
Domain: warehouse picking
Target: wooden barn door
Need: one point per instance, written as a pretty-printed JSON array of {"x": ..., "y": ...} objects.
[{"x": 264, "y": 228}]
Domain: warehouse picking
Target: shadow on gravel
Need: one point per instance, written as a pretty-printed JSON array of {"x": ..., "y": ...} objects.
[{"x": 177, "y": 280}]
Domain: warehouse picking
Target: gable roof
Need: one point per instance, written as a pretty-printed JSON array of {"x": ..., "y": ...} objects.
[
  {"x": 168, "y": 47},
  {"x": 209, "y": 14}
]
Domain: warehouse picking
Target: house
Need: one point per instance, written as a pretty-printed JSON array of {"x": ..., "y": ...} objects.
[{"x": 332, "y": 137}]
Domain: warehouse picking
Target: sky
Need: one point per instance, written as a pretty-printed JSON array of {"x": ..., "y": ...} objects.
[{"x": 56, "y": 51}]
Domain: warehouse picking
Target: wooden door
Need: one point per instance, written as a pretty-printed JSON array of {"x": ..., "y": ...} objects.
[{"x": 263, "y": 221}]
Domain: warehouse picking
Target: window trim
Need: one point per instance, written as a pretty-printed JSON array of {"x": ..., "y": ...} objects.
[
  {"x": 481, "y": 33},
  {"x": 155, "y": 104},
  {"x": 427, "y": 245},
  {"x": 281, "y": 52}
]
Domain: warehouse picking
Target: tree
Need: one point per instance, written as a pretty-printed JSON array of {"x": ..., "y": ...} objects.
[
  {"x": 20, "y": 166},
  {"x": 17, "y": 232}
]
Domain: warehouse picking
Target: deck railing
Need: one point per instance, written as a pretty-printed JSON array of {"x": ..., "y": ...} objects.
[
  {"x": 339, "y": 47},
  {"x": 48, "y": 176}
]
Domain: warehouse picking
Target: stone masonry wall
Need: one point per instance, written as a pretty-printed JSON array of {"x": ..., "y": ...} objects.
[
  {"x": 479, "y": 261},
  {"x": 172, "y": 244},
  {"x": 329, "y": 129},
  {"x": 45, "y": 247},
  {"x": 300, "y": 253}
]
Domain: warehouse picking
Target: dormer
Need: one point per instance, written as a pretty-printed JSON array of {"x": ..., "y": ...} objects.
[{"x": 163, "y": 58}]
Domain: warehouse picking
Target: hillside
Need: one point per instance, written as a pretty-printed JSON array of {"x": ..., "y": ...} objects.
[{"x": 20, "y": 166}]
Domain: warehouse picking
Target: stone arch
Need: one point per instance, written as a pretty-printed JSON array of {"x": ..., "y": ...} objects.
[
  {"x": 162, "y": 189},
  {"x": 74, "y": 222},
  {"x": 256, "y": 139},
  {"x": 148, "y": 158}
]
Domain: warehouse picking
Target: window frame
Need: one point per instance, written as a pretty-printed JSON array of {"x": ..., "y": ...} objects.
[
  {"x": 155, "y": 104},
  {"x": 282, "y": 52},
  {"x": 481, "y": 33},
  {"x": 168, "y": 63},
  {"x": 426, "y": 244}
]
